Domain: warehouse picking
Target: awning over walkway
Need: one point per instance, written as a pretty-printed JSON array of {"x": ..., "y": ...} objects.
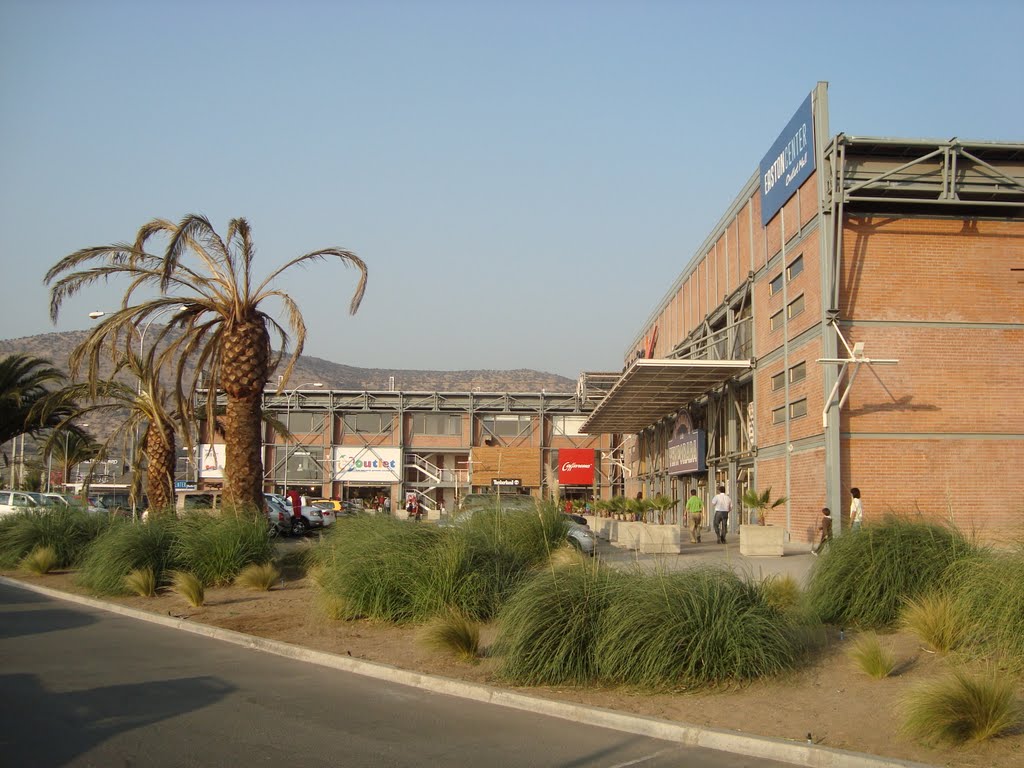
[{"x": 649, "y": 390}]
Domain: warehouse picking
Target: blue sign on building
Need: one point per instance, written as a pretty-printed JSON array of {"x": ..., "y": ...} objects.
[
  {"x": 789, "y": 163},
  {"x": 687, "y": 454}
]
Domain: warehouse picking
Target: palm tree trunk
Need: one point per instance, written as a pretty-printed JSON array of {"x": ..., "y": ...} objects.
[
  {"x": 243, "y": 470},
  {"x": 160, "y": 461}
]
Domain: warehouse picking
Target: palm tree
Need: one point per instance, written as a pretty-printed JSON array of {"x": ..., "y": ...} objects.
[
  {"x": 70, "y": 447},
  {"x": 24, "y": 381},
  {"x": 218, "y": 324},
  {"x": 145, "y": 409},
  {"x": 662, "y": 504},
  {"x": 761, "y": 502}
]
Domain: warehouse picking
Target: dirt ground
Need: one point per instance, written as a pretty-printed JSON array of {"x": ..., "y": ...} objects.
[{"x": 837, "y": 704}]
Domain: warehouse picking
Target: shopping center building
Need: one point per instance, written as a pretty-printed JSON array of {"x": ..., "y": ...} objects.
[{"x": 854, "y": 319}]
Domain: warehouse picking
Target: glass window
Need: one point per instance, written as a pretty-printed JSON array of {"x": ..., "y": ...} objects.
[
  {"x": 367, "y": 423},
  {"x": 568, "y": 426},
  {"x": 305, "y": 462},
  {"x": 798, "y": 409},
  {"x": 778, "y": 381},
  {"x": 776, "y": 321},
  {"x": 775, "y": 286},
  {"x": 779, "y": 415},
  {"x": 305, "y": 422},
  {"x": 436, "y": 424},
  {"x": 796, "y": 306},
  {"x": 505, "y": 425},
  {"x": 798, "y": 373},
  {"x": 795, "y": 268}
]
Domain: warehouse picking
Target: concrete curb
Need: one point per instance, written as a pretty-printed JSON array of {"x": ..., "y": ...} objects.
[{"x": 680, "y": 733}]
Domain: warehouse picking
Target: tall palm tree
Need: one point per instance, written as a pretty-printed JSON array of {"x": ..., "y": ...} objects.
[
  {"x": 219, "y": 326},
  {"x": 25, "y": 382},
  {"x": 144, "y": 409}
]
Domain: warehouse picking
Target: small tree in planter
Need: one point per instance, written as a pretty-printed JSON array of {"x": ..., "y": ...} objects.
[
  {"x": 662, "y": 504},
  {"x": 761, "y": 502},
  {"x": 617, "y": 506}
]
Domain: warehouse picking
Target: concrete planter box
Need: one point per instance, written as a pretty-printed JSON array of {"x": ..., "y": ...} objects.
[
  {"x": 629, "y": 534},
  {"x": 762, "y": 540},
  {"x": 601, "y": 526},
  {"x": 661, "y": 539}
]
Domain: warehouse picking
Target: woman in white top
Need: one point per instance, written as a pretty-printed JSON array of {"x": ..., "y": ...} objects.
[{"x": 856, "y": 509}]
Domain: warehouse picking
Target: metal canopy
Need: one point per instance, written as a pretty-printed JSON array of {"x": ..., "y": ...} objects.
[{"x": 650, "y": 390}]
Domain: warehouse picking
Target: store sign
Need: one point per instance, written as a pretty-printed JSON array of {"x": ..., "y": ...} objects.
[
  {"x": 211, "y": 461},
  {"x": 789, "y": 163},
  {"x": 370, "y": 465},
  {"x": 184, "y": 485},
  {"x": 576, "y": 466},
  {"x": 686, "y": 454},
  {"x": 506, "y": 482}
]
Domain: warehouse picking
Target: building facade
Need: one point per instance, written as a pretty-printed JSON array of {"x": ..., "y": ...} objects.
[
  {"x": 437, "y": 446},
  {"x": 855, "y": 319}
]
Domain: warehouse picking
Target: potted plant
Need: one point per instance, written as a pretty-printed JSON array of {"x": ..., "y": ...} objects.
[
  {"x": 662, "y": 504},
  {"x": 761, "y": 502}
]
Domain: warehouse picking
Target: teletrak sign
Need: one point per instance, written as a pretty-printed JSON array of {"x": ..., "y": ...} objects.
[
  {"x": 789, "y": 163},
  {"x": 687, "y": 453}
]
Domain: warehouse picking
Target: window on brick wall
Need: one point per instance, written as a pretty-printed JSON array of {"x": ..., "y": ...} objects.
[
  {"x": 798, "y": 373},
  {"x": 798, "y": 409},
  {"x": 778, "y": 381},
  {"x": 779, "y": 414},
  {"x": 775, "y": 286},
  {"x": 775, "y": 322},
  {"x": 796, "y": 306},
  {"x": 367, "y": 423},
  {"x": 436, "y": 424},
  {"x": 795, "y": 268}
]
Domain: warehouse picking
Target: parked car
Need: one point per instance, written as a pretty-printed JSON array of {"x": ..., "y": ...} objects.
[
  {"x": 13, "y": 502},
  {"x": 582, "y": 538},
  {"x": 309, "y": 517},
  {"x": 60, "y": 500},
  {"x": 329, "y": 509}
]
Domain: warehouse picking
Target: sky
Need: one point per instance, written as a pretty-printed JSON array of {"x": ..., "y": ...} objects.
[{"x": 524, "y": 180}]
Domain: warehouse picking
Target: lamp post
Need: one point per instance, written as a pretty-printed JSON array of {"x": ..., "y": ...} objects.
[{"x": 287, "y": 415}]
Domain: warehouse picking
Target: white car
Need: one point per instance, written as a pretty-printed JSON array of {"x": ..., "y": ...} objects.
[
  {"x": 309, "y": 517},
  {"x": 60, "y": 500},
  {"x": 13, "y": 502}
]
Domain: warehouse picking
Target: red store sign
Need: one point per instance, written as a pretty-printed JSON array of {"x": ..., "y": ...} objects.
[{"x": 576, "y": 466}]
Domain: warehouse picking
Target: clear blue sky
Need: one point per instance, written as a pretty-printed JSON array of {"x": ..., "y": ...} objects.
[{"x": 525, "y": 180}]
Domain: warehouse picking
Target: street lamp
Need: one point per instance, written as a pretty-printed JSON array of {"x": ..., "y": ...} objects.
[{"x": 287, "y": 414}]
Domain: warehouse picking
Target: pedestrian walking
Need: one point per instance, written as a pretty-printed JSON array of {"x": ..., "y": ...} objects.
[
  {"x": 825, "y": 526},
  {"x": 723, "y": 506},
  {"x": 695, "y": 510},
  {"x": 856, "y": 509}
]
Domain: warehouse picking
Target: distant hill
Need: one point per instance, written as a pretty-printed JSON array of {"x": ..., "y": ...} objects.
[{"x": 56, "y": 347}]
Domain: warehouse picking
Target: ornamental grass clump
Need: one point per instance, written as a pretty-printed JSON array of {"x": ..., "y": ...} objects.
[
  {"x": 962, "y": 708},
  {"x": 935, "y": 620},
  {"x": 68, "y": 531},
  {"x": 216, "y": 548},
  {"x": 549, "y": 629},
  {"x": 40, "y": 560},
  {"x": 189, "y": 586},
  {"x": 989, "y": 590},
  {"x": 871, "y": 657},
  {"x": 259, "y": 576},
  {"x": 694, "y": 627},
  {"x": 869, "y": 573},
  {"x": 453, "y": 633},
  {"x": 142, "y": 582},
  {"x": 124, "y": 547}
]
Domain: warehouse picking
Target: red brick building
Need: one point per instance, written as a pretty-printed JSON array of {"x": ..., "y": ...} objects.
[{"x": 856, "y": 318}]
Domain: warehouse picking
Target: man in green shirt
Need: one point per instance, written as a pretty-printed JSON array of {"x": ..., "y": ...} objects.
[{"x": 695, "y": 510}]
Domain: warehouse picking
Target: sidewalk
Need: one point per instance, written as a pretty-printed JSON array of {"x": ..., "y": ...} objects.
[{"x": 796, "y": 562}]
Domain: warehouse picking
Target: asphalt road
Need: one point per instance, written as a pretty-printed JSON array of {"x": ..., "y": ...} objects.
[{"x": 82, "y": 687}]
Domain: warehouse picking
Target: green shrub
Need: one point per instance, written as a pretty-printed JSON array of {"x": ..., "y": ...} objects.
[
  {"x": 990, "y": 590},
  {"x": 867, "y": 574},
  {"x": 549, "y": 629},
  {"x": 453, "y": 633},
  {"x": 215, "y": 549},
  {"x": 383, "y": 568},
  {"x": 259, "y": 576},
  {"x": 934, "y": 619},
  {"x": 142, "y": 582},
  {"x": 189, "y": 586},
  {"x": 782, "y": 592},
  {"x": 40, "y": 560},
  {"x": 699, "y": 626},
  {"x": 873, "y": 659},
  {"x": 67, "y": 531},
  {"x": 962, "y": 708},
  {"x": 124, "y": 547}
]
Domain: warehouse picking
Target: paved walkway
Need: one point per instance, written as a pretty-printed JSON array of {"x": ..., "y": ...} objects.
[{"x": 796, "y": 562}]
